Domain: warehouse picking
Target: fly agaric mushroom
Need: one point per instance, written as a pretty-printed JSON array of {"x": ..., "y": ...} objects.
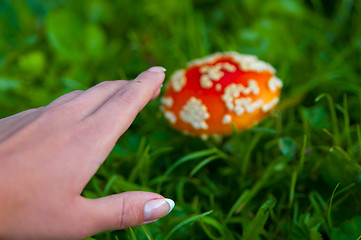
[{"x": 217, "y": 91}]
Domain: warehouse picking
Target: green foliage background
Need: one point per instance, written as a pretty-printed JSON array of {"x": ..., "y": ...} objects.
[{"x": 296, "y": 175}]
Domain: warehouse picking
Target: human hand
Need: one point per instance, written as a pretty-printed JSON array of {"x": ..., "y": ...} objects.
[{"x": 48, "y": 155}]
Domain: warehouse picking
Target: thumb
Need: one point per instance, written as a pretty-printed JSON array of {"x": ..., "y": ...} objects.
[{"x": 124, "y": 210}]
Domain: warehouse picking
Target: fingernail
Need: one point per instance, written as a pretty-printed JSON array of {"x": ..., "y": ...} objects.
[
  {"x": 157, "y": 69},
  {"x": 157, "y": 208}
]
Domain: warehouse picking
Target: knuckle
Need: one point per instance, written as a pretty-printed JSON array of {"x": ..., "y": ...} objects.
[
  {"x": 50, "y": 115},
  {"x": 108, "y": 85},
  {"x": 124, "y": 100},
  {"x": 158, "y": 75},
  {"x": 76, "y": 92},
  {"x": 57, "y": 114},
  {"x": 105, "y": 83},
  {"x": 139, "y": 81}
]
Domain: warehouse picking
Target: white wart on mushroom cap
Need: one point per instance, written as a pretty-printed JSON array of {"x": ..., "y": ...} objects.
[{"x": 217, "y": 91}]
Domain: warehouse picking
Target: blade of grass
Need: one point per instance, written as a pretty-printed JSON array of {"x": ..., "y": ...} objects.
[
  {"x": 336, "y": 131},
  {"x": 329, "y": 218},
  {"x": 109, "y": 184},
  {"x": 317, "y": 202},
  {"x": 292, "y": 188},
  {"x": 160, "y": 151},
  {"x": 180, "y": 192},
  {"x": 248, "y": 195},
  {"x": 250, "y": 148},
  {"x": 296, "y": 172},
  {"x": 203, "y": 163},
  {"x": 303, "y": 154},
  {"x": 120, "y": 185},
  {"x": 142, "y": 157},
  {"x": 345, "y": 189},
  {"x": 359, "y": 137},
  {"x": 346, "y": 122},
  {"x": 95, "y": 183},
  {"x": 132, "y": 235},
  {"x": 188, "y": 220},
  {"x": 253, "y": 230},
  {"x": 214, "y": 223},
  {"x": 317, "y": 4},
  {"x": 241, "y": 199},
  {"x": 147, "y": 232},
  {"x": 189, "y": 157},
  {"x": 343, "y": 152},
  {"x": 295, "y": 213}
]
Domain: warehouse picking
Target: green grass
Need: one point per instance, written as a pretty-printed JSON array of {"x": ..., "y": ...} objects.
[{"x": 296, "y": 175}]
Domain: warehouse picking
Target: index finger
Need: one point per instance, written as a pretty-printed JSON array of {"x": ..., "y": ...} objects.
[
  {"x": 116, "y": 114},
  {"x": 99, "y": 131}
]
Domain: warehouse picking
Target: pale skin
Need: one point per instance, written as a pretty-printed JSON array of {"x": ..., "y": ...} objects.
[{"x": 49, "y": 154}]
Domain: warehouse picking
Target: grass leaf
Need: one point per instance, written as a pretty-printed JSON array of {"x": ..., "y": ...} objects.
[
  {"x": 186, "y": 221},
  {"x": 132, "y": 235},
  {"x": 255, "y": 227}
]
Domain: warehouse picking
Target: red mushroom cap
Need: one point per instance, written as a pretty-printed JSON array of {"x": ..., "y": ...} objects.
[{"x": 217, "y": 91}]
